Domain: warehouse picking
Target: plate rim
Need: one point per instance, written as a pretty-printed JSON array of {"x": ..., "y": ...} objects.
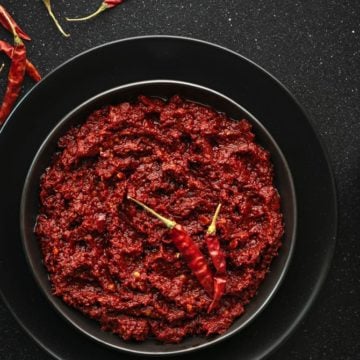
[{"x": 325, "y": 268}]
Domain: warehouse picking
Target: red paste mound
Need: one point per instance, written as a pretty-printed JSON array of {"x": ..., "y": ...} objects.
[{"x": 115, "y": 262}]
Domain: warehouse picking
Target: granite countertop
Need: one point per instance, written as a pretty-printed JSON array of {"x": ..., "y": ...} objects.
[{"x": 313, "y": 47}]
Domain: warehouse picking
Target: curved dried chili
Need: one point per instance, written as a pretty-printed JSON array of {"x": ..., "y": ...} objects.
[
  {"x": 16, "y": 73},
  {"x": 194, "y": 259},
  {"x": 31, "y": 70},
  {"x": 105, "y": 5},
  {"x": 219, "y": 260},
  {"x": 5, "y": 17}
]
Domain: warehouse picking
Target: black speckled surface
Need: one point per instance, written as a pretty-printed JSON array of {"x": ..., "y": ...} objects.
[{"x": 313, "y": 47}]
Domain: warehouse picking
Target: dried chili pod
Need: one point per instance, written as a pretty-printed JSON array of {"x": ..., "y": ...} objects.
[
  {"x": 5, "y": 17},
  {"x": 16, "y": 73},
  {"x": 47, "y": 4},
  {"x": 194, "y": 259},
  {"x": 213, "y": 245},
  {"x": 219, "y": 260},
  {"x": 219, "y": 289},
  {"x": 31, "y": 70},
  {"x": 105, "y": 5}
]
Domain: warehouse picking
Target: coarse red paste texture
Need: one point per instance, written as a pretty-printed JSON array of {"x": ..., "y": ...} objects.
[{"x": 116, "y": 263}]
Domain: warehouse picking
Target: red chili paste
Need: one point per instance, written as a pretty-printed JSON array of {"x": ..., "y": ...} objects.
[{"x": 113, "y": 261}]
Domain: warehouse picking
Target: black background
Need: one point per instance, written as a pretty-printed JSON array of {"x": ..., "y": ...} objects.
[{"x": 313, "y": 47}]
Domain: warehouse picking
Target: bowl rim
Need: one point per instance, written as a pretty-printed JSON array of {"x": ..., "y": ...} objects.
[{"x": 51, "y": 298}]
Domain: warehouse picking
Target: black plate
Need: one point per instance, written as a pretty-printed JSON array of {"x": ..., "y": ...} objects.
[
  {"x": 160, "y": 88},
  {"x": 194, "y": 61}
]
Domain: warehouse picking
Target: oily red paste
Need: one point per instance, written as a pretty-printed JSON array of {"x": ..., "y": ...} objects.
[{"x": 115, "y": 262}]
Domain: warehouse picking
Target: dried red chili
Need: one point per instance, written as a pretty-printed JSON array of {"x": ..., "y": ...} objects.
[
  {"x": 194, "y": 259},
  {"x": 218, "y": 259},
  {"x": 105, "y": 5},
  {"x": 213, "y": 245},
  {"x": 16, "y": 73},
  {"x": 219, "y": 289},
  {"x": 5, "y": 17},
  {"x": 31, "y": 70}
]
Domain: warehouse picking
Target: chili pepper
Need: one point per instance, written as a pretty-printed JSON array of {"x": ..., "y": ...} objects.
[
  {"x": 16, "y": 74},
  {"x": 47, "y": 4},
  {"x": 31, "y": 70},
  {"x": 219, "y": 289},
  {"x": 213, "y": 244},
  {"x": 218, "y": 259},
  {"x": 105, "y": 5},
  {"x": 5, "y": 17},
  {"x": 189, "y": 250}
]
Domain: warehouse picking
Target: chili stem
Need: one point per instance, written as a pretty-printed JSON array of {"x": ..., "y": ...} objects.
[
  {"x": 169, "y": 223},
  {"x": 102, "y": 8},
  {"x": 47, "y": 4},
  {"x": 212, "y": 228},
  {"x": 2, "y": 67},
  {"x": 7, "y": 21}
]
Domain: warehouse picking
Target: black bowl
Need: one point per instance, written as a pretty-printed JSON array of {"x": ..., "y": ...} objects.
[{"x": 164, "y": 89}]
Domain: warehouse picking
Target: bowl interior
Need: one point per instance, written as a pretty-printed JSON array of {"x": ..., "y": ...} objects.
[{"x": 164, "y": 89}]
